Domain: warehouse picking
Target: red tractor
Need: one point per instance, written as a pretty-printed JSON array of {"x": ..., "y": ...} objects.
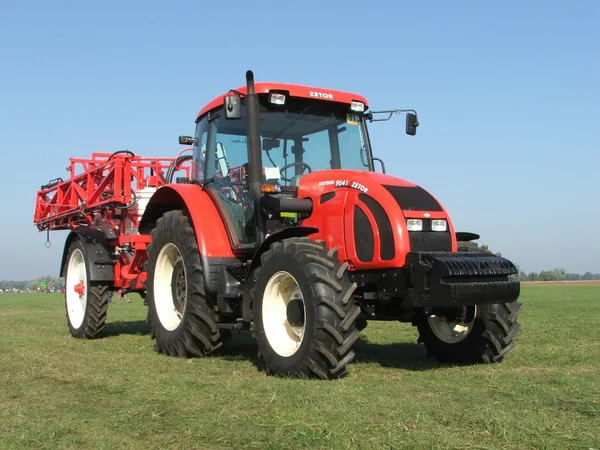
[{"x": 279, "y": 225}]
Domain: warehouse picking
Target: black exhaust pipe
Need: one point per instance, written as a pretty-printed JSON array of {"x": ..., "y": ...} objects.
[
  {"x": 255, "y": 159},
  {"x": 253, "y": 133}
]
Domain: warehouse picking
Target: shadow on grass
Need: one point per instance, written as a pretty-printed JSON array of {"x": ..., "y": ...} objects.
[
  {"x": 243, "y": 347},
  {"x": 138, "y": 327},
  {"x": 401, "y": 355},
  {"x": 397, "y": 355}
]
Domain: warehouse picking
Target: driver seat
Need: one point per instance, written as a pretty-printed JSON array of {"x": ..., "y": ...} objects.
[{"x": 295, "y": 181}]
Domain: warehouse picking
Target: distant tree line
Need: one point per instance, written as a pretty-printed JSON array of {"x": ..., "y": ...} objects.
[
  {"x": 557, "y": 275},
  {"x": 40, "y": 282},
  {"x": 11, "y": 284}
]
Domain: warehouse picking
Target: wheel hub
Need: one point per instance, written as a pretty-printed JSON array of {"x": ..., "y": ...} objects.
[
  {"x": 179, "y": 286},
  {"x": 79, "y": 288},
  {"x": 453, "y": 326},
  {"x": 283, "y": 314},
  {"x": 170, "y": 286},
  {"x": 75, "y": 288},
  {"x": 295, "y": 312}
]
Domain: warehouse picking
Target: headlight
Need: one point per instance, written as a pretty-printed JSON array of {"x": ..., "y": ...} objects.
[
  {"x": 439, "y": 225},
  {"x": 414, "y": 224}
]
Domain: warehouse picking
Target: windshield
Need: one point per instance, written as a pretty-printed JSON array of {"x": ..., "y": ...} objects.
[{"x": 300, "y": 137}]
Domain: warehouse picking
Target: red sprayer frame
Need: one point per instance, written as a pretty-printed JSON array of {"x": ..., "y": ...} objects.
[{"x": 106, "y": 192}]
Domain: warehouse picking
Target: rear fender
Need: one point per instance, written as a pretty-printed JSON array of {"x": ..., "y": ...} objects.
[
  {"x": 212, "y": 238},
  {"x": 99, "y": 263},
  {"x": 211, "y": 235}
]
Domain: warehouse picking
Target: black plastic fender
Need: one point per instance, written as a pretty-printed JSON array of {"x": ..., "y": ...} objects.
[
  {"x": 255, "y": 262},
  {"x": 100, "y": 265},
  {"x": 465, "y": 236}
]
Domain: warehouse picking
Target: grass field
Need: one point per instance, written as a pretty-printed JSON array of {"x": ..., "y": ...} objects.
[{"x": 116, "y": 392}]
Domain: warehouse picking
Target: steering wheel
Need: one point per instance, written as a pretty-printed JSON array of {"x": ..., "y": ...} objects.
[{"x": 290, "y": 165}]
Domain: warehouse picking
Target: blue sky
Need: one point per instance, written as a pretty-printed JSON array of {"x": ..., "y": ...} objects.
[{"x": 508, "y": 95}]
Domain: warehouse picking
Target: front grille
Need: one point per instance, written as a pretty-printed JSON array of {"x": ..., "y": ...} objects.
[
  {"x": 430, "y": 241},
  {"x": 387, "y": 247},
  {"x": 364, "y": 240}
]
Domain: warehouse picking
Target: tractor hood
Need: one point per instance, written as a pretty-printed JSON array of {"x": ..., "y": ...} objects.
[
  {"x": 410, "y": 197},
  {"x": 373, "y": 212}
]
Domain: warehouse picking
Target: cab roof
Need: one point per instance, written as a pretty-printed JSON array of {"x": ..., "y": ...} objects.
[{"x": 295, "y": 90}]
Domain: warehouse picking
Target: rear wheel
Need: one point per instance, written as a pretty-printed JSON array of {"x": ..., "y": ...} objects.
[
  {"x": 86, "y": 303},
  {"x": 182, "y": 316},
  {"x": 304, "y": 315}
]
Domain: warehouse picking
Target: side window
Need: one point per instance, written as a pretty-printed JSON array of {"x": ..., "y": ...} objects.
[
  {"x": 225, "y": 144},
  {"x": 199, "y": 150},
  {"x": 226, "y": 149},
  {"x": 349, "y": 135},
  {"x": 231, "y": 152}
]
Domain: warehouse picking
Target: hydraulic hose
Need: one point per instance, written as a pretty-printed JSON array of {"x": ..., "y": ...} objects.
[
  {"x": 130, "y": 153},
  {"x": 175, "y": 166}
]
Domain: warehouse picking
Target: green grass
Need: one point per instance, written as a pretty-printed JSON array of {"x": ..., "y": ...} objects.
[{"x": 116, "y": 392}]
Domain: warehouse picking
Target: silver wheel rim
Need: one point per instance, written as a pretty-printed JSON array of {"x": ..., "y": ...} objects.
[
  {"x": 164, "y": 300},
  {"x": 284, "y": 337},
  {"x": 451, "y": 332},
  {"x": 76, "y": 288}
]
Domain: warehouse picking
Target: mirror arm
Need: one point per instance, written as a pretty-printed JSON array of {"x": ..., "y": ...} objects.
[
  {"x": 390, "y": 113},
  {"x": 381, "y": 162},
  {"x": 238, "y": 93}
]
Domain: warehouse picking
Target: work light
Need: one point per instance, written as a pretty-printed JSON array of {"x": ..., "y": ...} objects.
[
  {"x": 357, "y": 106},
  {"x": 277, "y": 99}
]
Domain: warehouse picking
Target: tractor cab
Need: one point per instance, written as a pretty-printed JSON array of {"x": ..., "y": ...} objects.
[{"x": 301, "y": 130}]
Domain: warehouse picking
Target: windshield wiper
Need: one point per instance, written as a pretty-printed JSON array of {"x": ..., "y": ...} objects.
[{"x": 287, "y": 126}]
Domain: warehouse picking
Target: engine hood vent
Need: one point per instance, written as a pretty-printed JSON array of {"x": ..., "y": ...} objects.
[{"x": 413, "y": 198}]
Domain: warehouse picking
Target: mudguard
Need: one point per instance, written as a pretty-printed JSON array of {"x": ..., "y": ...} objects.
[
  {"x": 100, "y": 265},
  {"x": 212, "y": 237}
]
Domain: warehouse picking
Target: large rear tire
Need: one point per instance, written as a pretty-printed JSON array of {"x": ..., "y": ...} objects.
[
  {"x": 304, "y": 313},
  {"x": 182, "y": 316},
  {"x": 86, "y": 302}
]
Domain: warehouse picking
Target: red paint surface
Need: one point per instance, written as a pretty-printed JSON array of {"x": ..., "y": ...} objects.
[
  {"x": 334, "y": 219},
  {"x": 295, "y": 90}
]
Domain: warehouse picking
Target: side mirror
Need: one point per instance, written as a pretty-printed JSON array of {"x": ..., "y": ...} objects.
[
  {"x": 270, "y": 144},
  {"x": 186, "y": 140},
  {"x": 232, "y": 105},
  {"x": 411, "y": 124},
  {"x": 239, "y": 175}
]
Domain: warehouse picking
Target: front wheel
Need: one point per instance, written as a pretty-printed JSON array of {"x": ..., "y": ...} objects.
[
  {"x": 304, "y": 313},
  {"x": 470, "y": 334}
]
